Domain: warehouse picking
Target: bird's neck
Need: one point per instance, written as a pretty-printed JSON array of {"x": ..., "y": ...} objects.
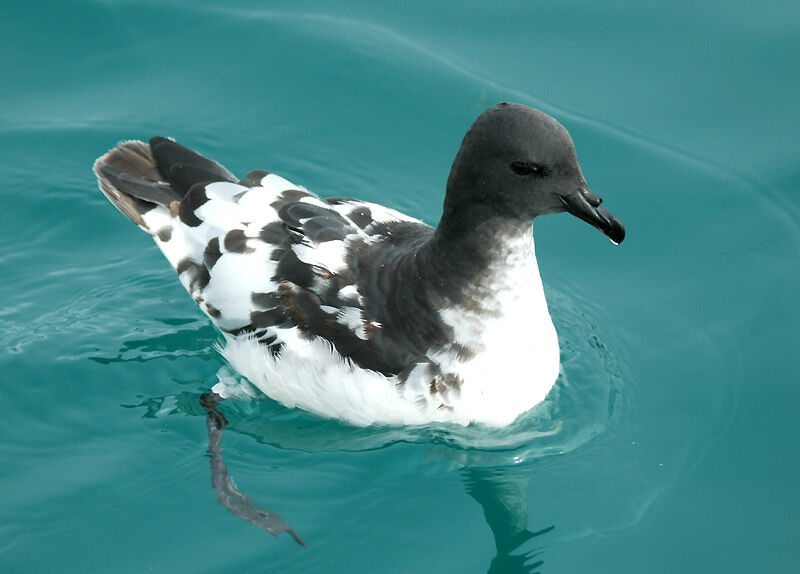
[
  {"x": 474, "y": 279},
  {"x": 472, "y": 263}
]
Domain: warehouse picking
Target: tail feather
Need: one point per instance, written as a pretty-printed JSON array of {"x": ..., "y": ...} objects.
[
  {"x": 137, "y": 177},
  {"x": 129, "y": 178},
  {"x": 183, "y": 167}
]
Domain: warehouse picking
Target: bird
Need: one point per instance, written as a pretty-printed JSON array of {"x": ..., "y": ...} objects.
[{"x": 351, "y": 310}]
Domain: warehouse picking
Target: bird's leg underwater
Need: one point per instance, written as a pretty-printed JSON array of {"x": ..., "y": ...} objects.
[
  {"x": 209, "y": 401},
  {"x": 227, "y": 494},
  {"x": 503, "y": 495}
]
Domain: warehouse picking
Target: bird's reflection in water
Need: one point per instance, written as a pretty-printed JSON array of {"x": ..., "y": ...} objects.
[{"x": 503, "y": 495}]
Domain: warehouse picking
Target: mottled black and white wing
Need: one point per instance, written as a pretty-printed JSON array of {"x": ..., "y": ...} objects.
[{"x": 261, "y": 256}]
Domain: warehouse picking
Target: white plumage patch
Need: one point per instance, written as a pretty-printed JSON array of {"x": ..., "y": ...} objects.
[
  {"x": 350, "y": 293},
  {"x": 353, "y": 319},
  {"x": 234, "y": 278},
  {"x": 309, "y": 375},
  {"x": 329, "y": 255},
  {"x": 273, "y": 184}
]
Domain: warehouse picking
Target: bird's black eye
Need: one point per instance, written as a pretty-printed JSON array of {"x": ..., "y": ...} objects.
[{"x": 525, "y": 168}]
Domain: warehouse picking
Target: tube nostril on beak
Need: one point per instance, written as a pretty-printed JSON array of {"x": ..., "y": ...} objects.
[{"x": 591, "y": 197}]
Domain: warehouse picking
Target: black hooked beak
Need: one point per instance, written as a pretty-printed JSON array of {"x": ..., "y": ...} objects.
[{"x": 585, "y": 204}]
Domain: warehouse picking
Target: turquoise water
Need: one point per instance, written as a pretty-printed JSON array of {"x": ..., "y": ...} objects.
[{"x": 668, "y": 445}]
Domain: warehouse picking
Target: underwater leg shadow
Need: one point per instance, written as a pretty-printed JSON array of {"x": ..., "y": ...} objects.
[
  {"x": 503, "y": 495},
  {"x": 227, "y": 494}
]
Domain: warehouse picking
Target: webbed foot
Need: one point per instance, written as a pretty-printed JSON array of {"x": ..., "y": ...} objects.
[{"x": 227, "y": 494}]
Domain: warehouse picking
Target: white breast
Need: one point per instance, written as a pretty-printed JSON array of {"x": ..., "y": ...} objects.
[{"x": 517, "y": 358}]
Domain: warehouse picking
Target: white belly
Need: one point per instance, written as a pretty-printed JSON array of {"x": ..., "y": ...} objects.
[{"x": 497, "y": 386}]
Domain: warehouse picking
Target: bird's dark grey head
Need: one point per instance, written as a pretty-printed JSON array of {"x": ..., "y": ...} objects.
[{"x": 518, "y": 163}]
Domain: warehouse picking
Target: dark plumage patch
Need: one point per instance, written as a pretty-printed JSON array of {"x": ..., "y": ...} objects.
[
  {"x": 198, "y": 274},
  {"x": 165, "y": 233},
  {"x": 292, "y": 213},
  {"x": 265, "y": 300},
  {"x": 212, "y": 253},
  {"x": 183, "y": 265},
  {"x": 253, "y": 178},
  {"x": 157, "y": 192},
  {"x": 289, "y": 196},
  {"x": 212, "y": 311},
  {"x": 450, "y": 382},
  {"x": 168, "y": 153},
  {"x": 290, "y": 268},
  {"x": 141, "y": 206},
  {"x": 295, "y": 235},
  {"x": 303, "y": 307},
  {"x": 183, "y": 176},
  {"x": 324, "y": 228},
  {"x": 274, "y": 349},
  {"x": 336, "y": 200},
  {"x": 399, "y": 286},
  {"x": 236, "y": 242},
  {"x": 273, "y": 233},
  {"x": 264, "y": 336},
  {"x": 195, "y": 197},
  {"x": 268, "y": 318},
  {"x": 463, "y": 353},
  {"x": 377, "y": 353},
  {"x": 201, "y": 278},
  {"x": 444, "y": 384},
  {"x": 361, "y": 216},
  {"x": 328, "y": 290}
]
